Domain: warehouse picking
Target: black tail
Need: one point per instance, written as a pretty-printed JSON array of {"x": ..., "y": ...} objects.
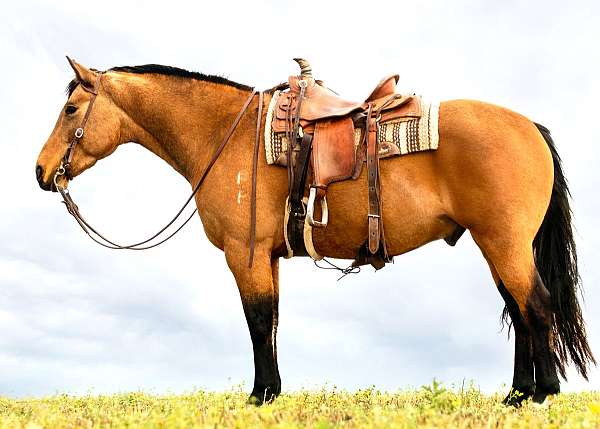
[{"x": 556, "y": 261}]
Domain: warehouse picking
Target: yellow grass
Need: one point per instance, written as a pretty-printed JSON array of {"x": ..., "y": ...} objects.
[{"x": 429, "y": 407}]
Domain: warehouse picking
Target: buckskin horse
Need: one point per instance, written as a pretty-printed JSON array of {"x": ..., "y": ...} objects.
[{"x": 495, "y": 173}]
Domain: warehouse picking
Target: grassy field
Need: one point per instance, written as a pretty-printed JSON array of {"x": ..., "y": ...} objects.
[{"x": 429, "y": 407}]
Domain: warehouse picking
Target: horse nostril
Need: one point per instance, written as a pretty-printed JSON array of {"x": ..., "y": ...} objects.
[{"x": 39, "y": 173}]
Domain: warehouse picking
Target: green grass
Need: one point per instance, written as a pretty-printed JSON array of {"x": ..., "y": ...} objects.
[{"x": 429, "y": 407}]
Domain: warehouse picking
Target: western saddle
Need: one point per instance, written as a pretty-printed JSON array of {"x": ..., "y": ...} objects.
[{"x": 333, "y": 137}]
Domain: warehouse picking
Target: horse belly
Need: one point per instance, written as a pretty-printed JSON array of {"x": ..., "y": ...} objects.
[{"x": 412, "y": 210}]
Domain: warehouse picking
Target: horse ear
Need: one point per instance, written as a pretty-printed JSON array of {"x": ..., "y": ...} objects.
[{"x": 84, "y": 75}]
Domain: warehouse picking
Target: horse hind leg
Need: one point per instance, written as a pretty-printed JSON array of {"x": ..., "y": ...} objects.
[
  {"x": 539, "y": 307},
  {"x": 529, "y": 306},
  {"x": 523, "y": 384}
]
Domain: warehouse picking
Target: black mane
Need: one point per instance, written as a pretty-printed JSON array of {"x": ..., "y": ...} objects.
[{"x": 167, "y": 71}]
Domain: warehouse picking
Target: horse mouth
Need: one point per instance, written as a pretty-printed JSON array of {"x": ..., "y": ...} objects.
[{"x": 48, "y": 186}]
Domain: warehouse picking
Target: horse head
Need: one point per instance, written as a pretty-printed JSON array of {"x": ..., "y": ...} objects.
[{"x": 89, "y": 127}]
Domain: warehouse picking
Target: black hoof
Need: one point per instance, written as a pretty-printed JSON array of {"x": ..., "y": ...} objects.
[
  {"x": 516, "y": 397},
  {"x": 254, "y": 400},
  {"x": 265, "y": 396},
  {"x": 543, "y": 390},
  {"x": 540, "y": 397}
]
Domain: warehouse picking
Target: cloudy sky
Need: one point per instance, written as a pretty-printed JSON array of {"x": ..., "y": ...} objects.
[{"x": 78, "y": 318}]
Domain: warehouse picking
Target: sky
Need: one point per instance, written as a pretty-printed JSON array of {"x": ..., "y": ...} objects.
[{"x": 77, "y": 318}]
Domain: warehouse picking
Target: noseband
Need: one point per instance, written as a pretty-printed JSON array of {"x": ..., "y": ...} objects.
[{"x": 65, "y": 171}]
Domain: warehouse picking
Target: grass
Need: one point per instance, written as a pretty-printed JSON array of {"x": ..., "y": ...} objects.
[{"x": 429, "y": 407}]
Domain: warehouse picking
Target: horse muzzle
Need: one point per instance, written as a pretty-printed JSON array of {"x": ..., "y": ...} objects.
[
  {"x": 39, "y": 175},
  {"x": 45, "y": 185}
]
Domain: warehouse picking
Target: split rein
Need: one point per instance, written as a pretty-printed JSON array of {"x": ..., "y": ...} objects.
[{"x": 64, "y": 170}]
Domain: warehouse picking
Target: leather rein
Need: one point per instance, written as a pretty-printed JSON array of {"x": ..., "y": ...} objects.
[{"x": 65, "y": 170}]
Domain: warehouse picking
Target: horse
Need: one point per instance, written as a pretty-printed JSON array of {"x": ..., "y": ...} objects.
[{"x": 496, "y": 173}]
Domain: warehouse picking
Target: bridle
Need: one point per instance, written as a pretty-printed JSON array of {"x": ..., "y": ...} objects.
[
  {"x": 65, "y": 164},
  {"x": 64, "y": 170}
]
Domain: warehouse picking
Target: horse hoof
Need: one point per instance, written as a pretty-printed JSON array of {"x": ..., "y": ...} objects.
[
  {"x": 547, "y": 390},
  {"x": 512, "y": 401},
  {"x": 254, "y": 400},
  {"x": 262, "y": 398},
  {"x": 540, "y": 398},
  {"x": 515, "y": 398}
]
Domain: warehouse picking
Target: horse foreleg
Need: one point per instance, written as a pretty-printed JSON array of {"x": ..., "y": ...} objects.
[{"x": 258, "y": 289}]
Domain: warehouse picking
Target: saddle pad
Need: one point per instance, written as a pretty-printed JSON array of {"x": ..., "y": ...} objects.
[{"x": 408, "y": 134}]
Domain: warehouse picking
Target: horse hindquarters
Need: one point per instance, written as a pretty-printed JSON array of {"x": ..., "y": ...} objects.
[
  {"x": 506, "y": 185},
  {"x": 496, "y": 178}
]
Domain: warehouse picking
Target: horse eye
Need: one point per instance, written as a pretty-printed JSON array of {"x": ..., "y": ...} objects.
[{"x": 69, "y": 110}]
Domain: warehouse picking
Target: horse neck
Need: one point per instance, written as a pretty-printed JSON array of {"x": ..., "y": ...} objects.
[{"x": 182, "y": 120}]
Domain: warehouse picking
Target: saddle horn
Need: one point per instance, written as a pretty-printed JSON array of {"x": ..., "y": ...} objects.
[{"x": 305, "y": 68}]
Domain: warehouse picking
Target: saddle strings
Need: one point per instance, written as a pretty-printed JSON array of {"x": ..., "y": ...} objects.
[{"x": 351, "y": 269}]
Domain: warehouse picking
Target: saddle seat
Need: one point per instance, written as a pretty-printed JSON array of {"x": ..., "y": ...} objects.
[{"x": 320, "y": 102}]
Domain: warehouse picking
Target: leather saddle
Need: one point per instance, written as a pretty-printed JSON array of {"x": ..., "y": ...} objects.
[{"x": 332, "y": 137}]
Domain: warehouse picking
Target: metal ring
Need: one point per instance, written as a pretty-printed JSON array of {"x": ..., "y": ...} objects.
[
  {"x": 79, "y": 133},
  {"x": 55, "y": 180}
]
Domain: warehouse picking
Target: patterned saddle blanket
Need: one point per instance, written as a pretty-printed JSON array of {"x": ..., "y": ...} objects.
[{"x": 416, "y": 132}]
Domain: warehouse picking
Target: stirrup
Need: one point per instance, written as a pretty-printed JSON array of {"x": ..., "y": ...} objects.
[{"x": 310, "y": 210}]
